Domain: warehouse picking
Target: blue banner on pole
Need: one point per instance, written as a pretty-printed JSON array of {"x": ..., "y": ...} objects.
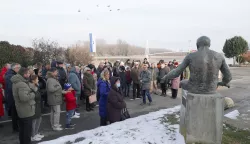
[{"x": 92, "y": 44}]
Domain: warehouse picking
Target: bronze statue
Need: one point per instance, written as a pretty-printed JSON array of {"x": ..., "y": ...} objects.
[{"x": 204, "y": 68}]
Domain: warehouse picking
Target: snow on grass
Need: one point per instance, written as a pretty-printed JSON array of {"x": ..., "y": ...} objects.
[
  {"x": 233, "y": 115},
  {"x": 152, "y": 128}
]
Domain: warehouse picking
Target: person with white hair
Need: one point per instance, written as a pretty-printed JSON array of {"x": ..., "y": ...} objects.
[
  {"x": 15, "y": 67},
  {"x": 89, "y": 87}
]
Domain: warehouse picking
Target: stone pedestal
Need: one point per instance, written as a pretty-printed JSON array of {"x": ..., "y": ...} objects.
[{"x": 201, "y": 118}]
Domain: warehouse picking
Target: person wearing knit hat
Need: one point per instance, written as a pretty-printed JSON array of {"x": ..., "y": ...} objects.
[
  {"x": 70, "y": 101},
  {"x": 86, "y": 69}
]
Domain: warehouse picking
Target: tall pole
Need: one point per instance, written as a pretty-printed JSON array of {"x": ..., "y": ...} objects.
[
  {"x": 189, "y": 45},
  {"x": 147, "y": 50}
]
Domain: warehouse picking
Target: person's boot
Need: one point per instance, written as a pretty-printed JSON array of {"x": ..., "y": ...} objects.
[
  {"x": 88, "y": 109},
  {"x": 142, "y": 104},
  {"x": 69, "y": 126},
  {"x": 150, "y": 103}
]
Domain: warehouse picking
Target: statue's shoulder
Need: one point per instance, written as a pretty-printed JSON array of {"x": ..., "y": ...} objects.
[{"x": 216, "y": 54}]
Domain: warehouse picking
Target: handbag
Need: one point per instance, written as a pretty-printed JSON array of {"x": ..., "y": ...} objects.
[
  {"x": 124, "y": 114},
  {"x": 92, "y": 98}
]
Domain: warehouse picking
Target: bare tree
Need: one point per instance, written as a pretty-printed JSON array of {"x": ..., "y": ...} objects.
[
  {"x": 46, "y": 50},
  {"x": 78, "y": 54}
]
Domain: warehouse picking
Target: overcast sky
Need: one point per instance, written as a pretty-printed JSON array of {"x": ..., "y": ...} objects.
[{"x": 164, "y": 23}]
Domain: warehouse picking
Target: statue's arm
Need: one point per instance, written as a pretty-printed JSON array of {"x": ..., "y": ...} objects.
[
  {"x": 178, "y": 71},
  {"x": 227, "y": 77}
]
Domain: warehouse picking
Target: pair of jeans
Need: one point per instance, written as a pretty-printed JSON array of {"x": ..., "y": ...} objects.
[
  {"x": 69, "y": 116},
  {"x": 136, "y": 88},
  {"x": 103, "y": 121},
  {"x": 127, "y": 89},
  {"x": 25, "y": 125},
  {"x": 77, "y": 98},
  {"x": 36, "y": 125},
  {"x": 144, "y": 94},
  {"x": 55, "y": 116}
]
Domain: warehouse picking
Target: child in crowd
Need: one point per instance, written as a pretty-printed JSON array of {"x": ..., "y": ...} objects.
[
  {"x": 70, "y": 100},
  {"x": 128, "y": 81}
]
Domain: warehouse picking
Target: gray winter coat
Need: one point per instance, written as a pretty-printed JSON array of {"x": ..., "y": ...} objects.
[
  {"x": 163, "y": 71},
  {"x": 154, "y": 73},
  {"x": 145, "y": 78},
  {"x": 54, "y": 90},
  {"x": 74, "y": 81},
  {"x": 24, "y": 97}
]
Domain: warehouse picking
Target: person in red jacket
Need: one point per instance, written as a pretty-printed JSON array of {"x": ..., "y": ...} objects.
[
  {"x": 70, "y": 100},
  {"x": 3, "y": 71},
  {"x": 1, "y": 104}
]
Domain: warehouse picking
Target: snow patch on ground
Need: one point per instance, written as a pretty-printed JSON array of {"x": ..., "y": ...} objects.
[
  {"x": 233, "y": 115},
  {"x": 145, "y": 129}
]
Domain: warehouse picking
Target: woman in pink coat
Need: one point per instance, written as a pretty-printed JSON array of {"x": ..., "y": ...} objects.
[{"x": 175, "y": 84}]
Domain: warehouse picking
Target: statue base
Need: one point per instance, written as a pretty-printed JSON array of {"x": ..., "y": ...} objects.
[{"x": 201, "y": 118}]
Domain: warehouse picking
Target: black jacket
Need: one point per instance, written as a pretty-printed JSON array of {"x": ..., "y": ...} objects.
[
  {"x": 10, "y": 99},
  {"x": 62, "y": 76}
]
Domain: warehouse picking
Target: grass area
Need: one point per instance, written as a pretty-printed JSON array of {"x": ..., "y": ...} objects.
[
  {"x": 232, "y": 135},
  {"x": 170, "y": 119}
]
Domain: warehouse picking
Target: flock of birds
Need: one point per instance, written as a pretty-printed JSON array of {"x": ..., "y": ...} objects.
[{"x": 108, "y": 6}]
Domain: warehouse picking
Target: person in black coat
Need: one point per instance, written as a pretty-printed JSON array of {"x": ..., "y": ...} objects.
[
  {"x": 122, "y": 76},
  {"x": 115, "y": 102},
  {"x": 62, "y": 76},
  {"x": 42, "y": 87}
]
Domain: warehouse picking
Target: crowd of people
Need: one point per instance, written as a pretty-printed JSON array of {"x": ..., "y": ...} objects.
[{"x": 25, "y": 92}]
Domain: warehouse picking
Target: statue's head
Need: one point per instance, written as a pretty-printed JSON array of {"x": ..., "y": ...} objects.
[{"x": 202, "y": 42}]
